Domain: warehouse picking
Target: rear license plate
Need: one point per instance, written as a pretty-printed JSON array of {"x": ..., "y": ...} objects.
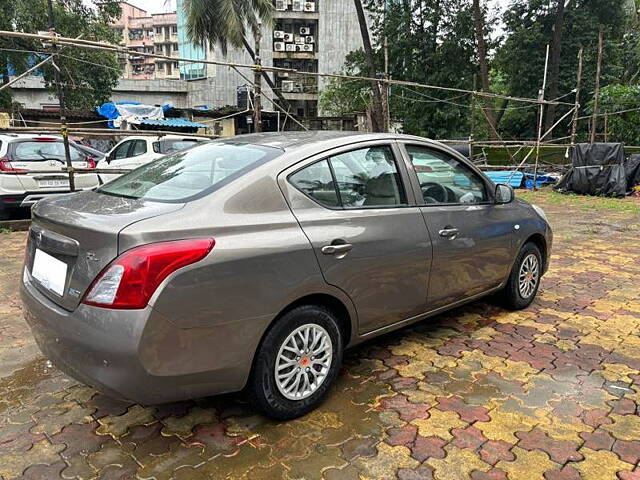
[
  {"x": 53, "y": 183},
  {"x": 49, "y": 271}
]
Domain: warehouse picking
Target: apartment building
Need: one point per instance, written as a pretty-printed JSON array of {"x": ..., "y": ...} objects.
[
  {"x": 145, "y": 33},
  {"x": 306, "y": 35}
]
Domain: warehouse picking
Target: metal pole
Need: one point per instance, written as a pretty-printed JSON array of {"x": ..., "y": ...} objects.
[
  {"x": 576, "y": 112},
  {"x": 596, "y": 100},
  {"x": 63, "y": 113},
  {"x": 257, "y": 84},
  {"x": 541, "y": 98}
]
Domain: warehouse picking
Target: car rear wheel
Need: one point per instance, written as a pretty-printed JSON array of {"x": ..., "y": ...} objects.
[
  {"x": 524, "y": 281},
  {"x": 297, "y": 362}
]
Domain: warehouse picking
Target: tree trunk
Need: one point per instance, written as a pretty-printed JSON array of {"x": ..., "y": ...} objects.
[
  {"x": 377, "y": 115},
  {"x": 484, "y": 67},
  {"x": 554, "y": 80}
]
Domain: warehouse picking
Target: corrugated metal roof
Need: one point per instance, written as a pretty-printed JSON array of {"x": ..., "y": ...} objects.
[{"x": 172, "y": 122}]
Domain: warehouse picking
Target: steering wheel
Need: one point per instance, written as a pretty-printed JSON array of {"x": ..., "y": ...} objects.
[{"x": 434, "y": 193}]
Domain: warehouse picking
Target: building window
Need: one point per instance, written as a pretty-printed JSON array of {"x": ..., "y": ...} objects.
[
  {"x": 174, "y": 29},
  {"x": 158, "y": 30},
  {"x": 174, "y": 47},
  {"x": 168, "y": 69}
]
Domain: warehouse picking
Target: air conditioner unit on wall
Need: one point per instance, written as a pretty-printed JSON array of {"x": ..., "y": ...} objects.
[
  {"x": 305, "y": 31},
  {"x": 290, "y": 47},
  {"x": 299, "y": 48},
  {"x": 278, "y": 34},
  {"x": 297, "y": 6},
  {"x": 308, "y": 47},
  {"x": 279, "y": 46},
  {"x": 283, "y": 74},
  {"x": 281, "y": 5},
  {"x": 309, "y": 39},
  {"x": 309, "y": 7},
  {"x": 287, "y": 86},
  {"x": 299, "y": 40},
  {"x": 288, "y": 37}
]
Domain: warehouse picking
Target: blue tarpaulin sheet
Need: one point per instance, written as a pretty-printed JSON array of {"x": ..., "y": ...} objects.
[{"x": 508, "y": 177}]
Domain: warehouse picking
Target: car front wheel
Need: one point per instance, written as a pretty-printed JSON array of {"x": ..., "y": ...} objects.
[
  {"x": 524, "y": 281},
  {"x": 297, "y": 362}
]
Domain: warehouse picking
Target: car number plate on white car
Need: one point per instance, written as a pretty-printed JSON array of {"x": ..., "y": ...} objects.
[
  {"x": 53, "y": 183},
  {"x": 49, "y": 271}
]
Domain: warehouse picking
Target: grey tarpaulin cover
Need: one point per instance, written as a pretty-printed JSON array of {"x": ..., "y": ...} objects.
[{"x": 597, "y": 169}]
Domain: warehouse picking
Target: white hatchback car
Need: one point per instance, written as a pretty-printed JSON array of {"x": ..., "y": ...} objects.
[
  {"x": 135, "y": 151},
  {"x": 20, "y": 154}
]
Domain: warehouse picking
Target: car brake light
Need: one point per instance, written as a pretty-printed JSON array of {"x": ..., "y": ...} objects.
[
  {"x": 130, "y": 280},
  {"x": 91, "y": 162},
  {"x": 46, "y": 139},
  {"x": 5, "y": 166}
]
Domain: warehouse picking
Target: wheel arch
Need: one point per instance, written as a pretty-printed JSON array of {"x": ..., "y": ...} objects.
[{"x": 539, "y": 241}]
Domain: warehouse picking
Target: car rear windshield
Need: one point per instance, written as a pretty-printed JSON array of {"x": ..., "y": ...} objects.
[
  {"x": 41, "y": 150},
  {"x": 192, "y": 173},
  {"x": 166, "y": 147}
]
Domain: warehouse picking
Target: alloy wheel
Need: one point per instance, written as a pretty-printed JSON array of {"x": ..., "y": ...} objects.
[
  {"x": 303, "y": 361},
  {"x": 529, "y": 275}
]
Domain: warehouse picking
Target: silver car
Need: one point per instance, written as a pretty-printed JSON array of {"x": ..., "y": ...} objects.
[{"x": 252, "y": 262}]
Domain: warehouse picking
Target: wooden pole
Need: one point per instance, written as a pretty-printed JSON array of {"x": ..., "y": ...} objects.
[
  {"x": 606, "y": 126},
  {"x": 64, "y": 131},
  {"x": 473, "y": 117},
  {"x": 257, "y": 84},
  {"x": 541, "y": 119},
  {"x": 596, "y": 100},
  {"x": 576, "y": 112}
]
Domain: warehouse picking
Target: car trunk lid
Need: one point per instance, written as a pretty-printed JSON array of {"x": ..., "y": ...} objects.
[{"x": 73, "y": 237}]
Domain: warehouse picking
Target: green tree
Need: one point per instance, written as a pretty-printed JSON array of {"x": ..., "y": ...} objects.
[
  {"x": 88, "y": 76},
  {"x": 340, "y": 97},
  {"x": 624, "y": 127},
  {"x": 529, "y": 28}
]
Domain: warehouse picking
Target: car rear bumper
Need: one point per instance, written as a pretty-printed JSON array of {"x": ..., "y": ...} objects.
[{"x": 139, "y": 355}]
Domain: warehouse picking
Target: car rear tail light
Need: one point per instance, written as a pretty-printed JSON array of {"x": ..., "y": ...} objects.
[
  {"x": 91, "y": 162},
  {"x": 5, "y": 166},
  {"x": 130, "y": 280}
]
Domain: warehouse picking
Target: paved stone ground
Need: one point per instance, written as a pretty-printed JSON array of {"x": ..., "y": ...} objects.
[{"x": 481, "y": 393}]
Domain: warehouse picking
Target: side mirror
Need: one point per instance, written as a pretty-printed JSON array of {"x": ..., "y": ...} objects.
[{"x": 504, "y": 194}]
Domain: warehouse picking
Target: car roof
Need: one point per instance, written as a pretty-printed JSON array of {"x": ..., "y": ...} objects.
[
  {"x": 155, "y": 138},
  {"x": 289, "y": 141}
]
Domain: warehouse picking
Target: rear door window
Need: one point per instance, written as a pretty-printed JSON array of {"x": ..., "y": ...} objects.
[
  {"x": 316, "y": 181},
  {"x": 192, "y": 173},
  {"x": 362, "y": 178}
]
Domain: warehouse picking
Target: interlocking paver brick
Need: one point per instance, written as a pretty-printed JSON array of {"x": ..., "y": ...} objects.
[{"x": 476, "y": 393}]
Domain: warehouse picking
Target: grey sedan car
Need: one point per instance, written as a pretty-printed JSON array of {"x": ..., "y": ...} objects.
[{"x": 251, "y": 263}]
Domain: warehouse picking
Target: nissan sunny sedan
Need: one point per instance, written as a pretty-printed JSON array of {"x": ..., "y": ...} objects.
[{"x": 251, "y": 263}]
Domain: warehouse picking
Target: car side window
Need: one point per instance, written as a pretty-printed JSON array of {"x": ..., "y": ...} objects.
[
  {"x": 368, "y": 177},
  {"x": 316, "y": 182},
  {"x": 139, "y": 148},
  {"x": 444, "y": 179},
  {"x": 121, "y": 151}
]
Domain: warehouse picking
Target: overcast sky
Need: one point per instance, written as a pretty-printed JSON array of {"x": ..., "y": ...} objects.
[{"x": 161, "y": 6}]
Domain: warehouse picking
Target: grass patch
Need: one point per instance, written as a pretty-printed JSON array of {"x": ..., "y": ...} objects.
[{"x": 550, "y": 197}]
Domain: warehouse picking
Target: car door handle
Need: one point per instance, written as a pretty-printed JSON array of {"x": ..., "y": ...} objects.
[
  {"x": 449, "y": 232},
  {"x": 336, "y": 249}
]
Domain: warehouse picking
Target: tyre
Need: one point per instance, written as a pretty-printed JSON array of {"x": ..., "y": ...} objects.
[
  {"x": 524, "y": 280},
  {"x": 296, "y": 363}
]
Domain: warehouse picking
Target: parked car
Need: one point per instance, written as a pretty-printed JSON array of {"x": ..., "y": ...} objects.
[
  {"x": 20, "y": 154},
  {"x": 135, "y": 151},
  {"x": 254, "y": 261}
]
